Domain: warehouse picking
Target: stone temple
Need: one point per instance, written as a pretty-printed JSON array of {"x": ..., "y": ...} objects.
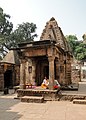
[{"x": 50, "y": 56}]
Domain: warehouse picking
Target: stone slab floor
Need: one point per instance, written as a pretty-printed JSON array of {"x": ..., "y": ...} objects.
[{"x": 13, "y": 109}]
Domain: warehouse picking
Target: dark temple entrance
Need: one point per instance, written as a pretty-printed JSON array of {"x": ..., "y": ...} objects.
[
  {"x": 8, "y": 79},
  {"x": 42, "y": 70},
  {"x": 46, "y": 71}
]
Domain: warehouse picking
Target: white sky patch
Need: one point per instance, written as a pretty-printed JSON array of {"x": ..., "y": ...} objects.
[{"x": 70, "y": 14}]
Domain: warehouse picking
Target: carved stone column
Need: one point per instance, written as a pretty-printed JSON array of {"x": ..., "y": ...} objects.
[
  {"x": 22, "y": 74},
  {"x": 30, "y": 70},
  {"x": 51, "y": 72},
  {"x": 27, "y": 73},
  {"x": 33, "y": 72},
  {"x": 57, "y": 63}
]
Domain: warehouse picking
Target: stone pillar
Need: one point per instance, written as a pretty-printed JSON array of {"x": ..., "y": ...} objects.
[
  {"x": 22, "y": 74},
  {"x": 30, "y": 70},
  {"x": 1, "y": 77},
  {"x": 17, "y": 72},
  {"x": 51, "y": 72},
  {"x": 27, "y": 74},
  {"x": 57, "y": 69},
  {"x": 33, "y": 72}
]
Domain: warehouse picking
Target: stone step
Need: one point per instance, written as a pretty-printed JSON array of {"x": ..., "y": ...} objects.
[
  {"x": 77, "y": 101},
  {"x": 32, "y": 99}
]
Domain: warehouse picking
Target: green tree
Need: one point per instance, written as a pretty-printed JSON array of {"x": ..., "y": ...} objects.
[
  {"x": 5, "y": 30},
  {"x": 73, "y": 41},
  {"x": 80, "y": 51},
  {"x": 78, "y": 47},
  {"x": 24, "y": 33}
]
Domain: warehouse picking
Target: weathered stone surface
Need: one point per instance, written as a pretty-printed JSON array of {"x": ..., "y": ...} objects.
[
  {"x": 71, "y": 97},
  {"x": 46, "y": 94},
  {"x": 75, "y": 101},
  {"x": 32, "y": 99},
  {"x": 53, "y": 32},
  {"x": 9, "y": 70}
]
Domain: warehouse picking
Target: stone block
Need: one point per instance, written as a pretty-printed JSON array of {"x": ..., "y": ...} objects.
[
  {"x": 75, "y": 101},
  {"x": 32, "y": 99}
]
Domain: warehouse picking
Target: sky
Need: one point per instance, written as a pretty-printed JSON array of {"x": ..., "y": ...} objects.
[{"x": 69, "y": 14}]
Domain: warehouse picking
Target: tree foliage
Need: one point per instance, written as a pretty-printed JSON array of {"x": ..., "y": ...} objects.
[
  {"x": 72, "y": 40},
  {"x": 78, "y": 47},
  {"x": 5, "y": 31},
  {"x": 25, "y": 32}
]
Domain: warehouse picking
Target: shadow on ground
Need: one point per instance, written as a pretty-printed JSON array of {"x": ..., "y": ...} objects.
[{"x": 5, "y": 109}]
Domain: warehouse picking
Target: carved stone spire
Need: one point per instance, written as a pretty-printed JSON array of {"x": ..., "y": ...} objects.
[
  {"x": 48, "y": 33},
  {"x": 53, "y": 32}
]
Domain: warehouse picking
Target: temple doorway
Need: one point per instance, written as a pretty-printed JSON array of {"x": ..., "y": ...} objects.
[
  {"x": 8, "y": 79},
  {"x": 46, "y": 71},
  {"x": 42, "y": 70}
]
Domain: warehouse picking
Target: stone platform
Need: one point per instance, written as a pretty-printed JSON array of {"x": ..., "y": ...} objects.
[
  {"x": 72, "y": 96},
  {"x": 45, "y": 93}
]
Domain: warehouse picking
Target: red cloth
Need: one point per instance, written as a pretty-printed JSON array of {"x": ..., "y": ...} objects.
[{"x": 56, "y": 86}]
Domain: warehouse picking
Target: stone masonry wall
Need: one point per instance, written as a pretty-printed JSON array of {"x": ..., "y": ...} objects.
[
  {"x": 75, "y": 75},
  {"x": 1, "y": 78}
]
